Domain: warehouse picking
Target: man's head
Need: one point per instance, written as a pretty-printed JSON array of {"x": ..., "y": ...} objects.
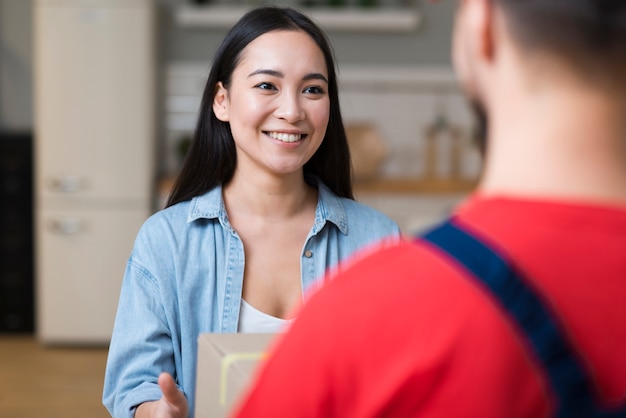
[{"x": 541, "y": 41}]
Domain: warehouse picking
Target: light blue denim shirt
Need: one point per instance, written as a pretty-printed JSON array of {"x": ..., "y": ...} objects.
[{"x": 185, "y": 277}]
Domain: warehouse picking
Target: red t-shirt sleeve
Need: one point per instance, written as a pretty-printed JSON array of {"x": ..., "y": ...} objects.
[{"x": 399, "y": 333}]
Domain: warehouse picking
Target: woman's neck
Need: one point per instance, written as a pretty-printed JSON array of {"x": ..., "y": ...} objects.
[{"x": 270, "y": 197}]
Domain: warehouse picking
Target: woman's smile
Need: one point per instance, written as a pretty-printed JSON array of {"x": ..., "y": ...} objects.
[{"x": 286, "y": 136}]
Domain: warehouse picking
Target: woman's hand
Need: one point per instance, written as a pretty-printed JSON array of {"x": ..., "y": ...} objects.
[{"x": 172, "y": 404}]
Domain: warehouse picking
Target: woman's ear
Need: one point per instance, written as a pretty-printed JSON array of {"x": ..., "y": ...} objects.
[{"x": 220, "y": 103}]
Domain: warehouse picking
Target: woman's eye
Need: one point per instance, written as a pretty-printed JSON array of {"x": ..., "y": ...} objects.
[
  {"x": 265, "y": 86},
  {"x": 314, "y": 90}
]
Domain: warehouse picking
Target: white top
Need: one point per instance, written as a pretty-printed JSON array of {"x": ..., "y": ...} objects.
[{"x": 253, "y": 320}]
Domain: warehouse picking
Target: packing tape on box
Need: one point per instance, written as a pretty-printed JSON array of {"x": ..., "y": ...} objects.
[{"x": 227, "y": 361}]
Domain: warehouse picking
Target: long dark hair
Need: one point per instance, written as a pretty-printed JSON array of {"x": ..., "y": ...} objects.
[
  {"x": 212, "y": 158},
  {"x": 589, "y": 35}
]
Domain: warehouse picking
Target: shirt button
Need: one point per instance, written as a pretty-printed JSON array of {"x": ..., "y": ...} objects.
[{"x": 308, "y": 253}]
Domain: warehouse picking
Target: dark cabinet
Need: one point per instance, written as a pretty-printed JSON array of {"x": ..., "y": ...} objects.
[{"x": 16, "y": 233}]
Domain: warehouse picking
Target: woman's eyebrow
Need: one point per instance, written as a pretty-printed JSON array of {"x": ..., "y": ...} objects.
[
  {"x": 279, "y": 74},
  {"x": 273, "y": 73},
  {"x": 315, "y": 76}
]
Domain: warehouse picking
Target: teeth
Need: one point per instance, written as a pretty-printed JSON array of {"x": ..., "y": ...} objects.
[{"x": 285, "y": 137}]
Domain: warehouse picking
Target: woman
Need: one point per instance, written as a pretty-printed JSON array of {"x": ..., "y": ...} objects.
[{"x": 267, "y": 181}]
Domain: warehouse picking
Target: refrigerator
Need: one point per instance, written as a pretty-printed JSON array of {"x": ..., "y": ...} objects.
[{"x": 94, "y": 136}]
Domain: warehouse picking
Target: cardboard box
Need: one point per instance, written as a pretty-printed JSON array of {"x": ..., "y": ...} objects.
[{"x": 226, "y": 364}]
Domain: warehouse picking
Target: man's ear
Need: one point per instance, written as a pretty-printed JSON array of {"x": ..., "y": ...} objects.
[
  {"x": 221, "y": 103},
  {"x": 474, "y": 42},
  {"x": 482, "y": 22}
]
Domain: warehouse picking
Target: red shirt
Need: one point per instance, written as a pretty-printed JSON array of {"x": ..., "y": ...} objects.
[{"x": 404, "y": 333}]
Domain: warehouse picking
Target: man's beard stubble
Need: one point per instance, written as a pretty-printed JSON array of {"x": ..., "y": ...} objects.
[{"x": 481, "y": 120}]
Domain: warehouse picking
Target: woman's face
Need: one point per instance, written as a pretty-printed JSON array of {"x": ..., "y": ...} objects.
[{"x": 277, "y": 103}]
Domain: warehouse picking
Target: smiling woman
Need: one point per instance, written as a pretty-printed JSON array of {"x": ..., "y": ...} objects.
[
  {"x": 212, "y": 157},
  {"x": 262, "y": 209},
  {"x": 277, "y": 105}
]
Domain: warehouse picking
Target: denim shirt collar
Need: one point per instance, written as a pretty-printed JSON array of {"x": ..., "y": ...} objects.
[{"x": 329, "y": 208}]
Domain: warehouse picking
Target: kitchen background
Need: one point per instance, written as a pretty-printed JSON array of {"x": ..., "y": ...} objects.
[{"x": 409, "y": 128}]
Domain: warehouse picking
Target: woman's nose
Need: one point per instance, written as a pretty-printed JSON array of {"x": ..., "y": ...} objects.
[{"x": 290, "y": 109}]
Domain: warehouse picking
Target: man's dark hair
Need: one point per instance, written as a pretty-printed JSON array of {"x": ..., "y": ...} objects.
[{"x": 589, "y": 35}]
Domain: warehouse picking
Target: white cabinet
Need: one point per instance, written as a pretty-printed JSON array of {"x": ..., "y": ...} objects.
[
  {"x": 82, "y": 256},
  {"x": 94, "y": 98},
  {"x": 94, "y": 153}
]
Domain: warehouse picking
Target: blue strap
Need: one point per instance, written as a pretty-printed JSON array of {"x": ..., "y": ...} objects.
[{"x": 568, "y": 379}]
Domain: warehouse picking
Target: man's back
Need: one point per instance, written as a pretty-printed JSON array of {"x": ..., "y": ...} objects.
[{"x": 444, "y": 346}]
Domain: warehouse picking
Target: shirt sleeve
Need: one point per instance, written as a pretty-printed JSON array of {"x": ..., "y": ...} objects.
[{"x": 141, "y": 346}]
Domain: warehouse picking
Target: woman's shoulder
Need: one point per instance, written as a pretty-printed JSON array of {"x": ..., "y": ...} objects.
[
  {"x": 179, "y": 218},
  {"x": 356, "y": 207},
  {"x": 358, "y": 212},
  {"x": 174, "y": 214},
  {"x": 355, "y": 215}
]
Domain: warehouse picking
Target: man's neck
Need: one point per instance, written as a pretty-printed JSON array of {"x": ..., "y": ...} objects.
[{"x": 558, "y": 143}]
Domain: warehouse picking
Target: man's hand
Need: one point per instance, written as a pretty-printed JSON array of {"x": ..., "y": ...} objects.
[{"x": 172, "y": 404}]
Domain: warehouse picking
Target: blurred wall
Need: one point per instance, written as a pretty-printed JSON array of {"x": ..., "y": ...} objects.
[
  {"x": 16, "y": 65},
  {"x": 429, "y": 46}
]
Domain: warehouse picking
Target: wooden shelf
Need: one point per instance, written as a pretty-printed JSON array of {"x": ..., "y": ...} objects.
[
  {"x": 332, "y": 19},
  {"x": 382, "y": 186},
  {"x": 414, "y": 186}
]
